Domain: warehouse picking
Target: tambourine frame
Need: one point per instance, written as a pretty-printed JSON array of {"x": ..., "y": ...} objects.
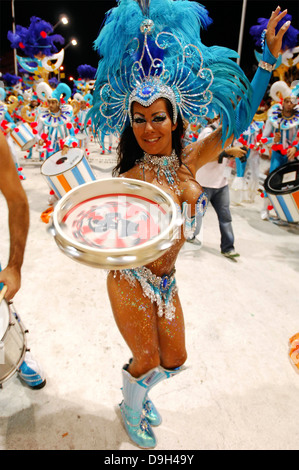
[{"x": 115, "y": 258}]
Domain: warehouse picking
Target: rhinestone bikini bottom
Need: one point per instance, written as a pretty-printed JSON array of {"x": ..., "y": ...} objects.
[{"x": 160, "y": 290}]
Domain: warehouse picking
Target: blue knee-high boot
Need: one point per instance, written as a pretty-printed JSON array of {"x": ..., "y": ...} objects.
[
  {"x": 137, "y": 410},
  {"x": 150, "y": 411},
  {"x": 134, "y": 391}
]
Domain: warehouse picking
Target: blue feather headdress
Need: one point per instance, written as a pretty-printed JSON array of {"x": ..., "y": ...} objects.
[
  {"x": 11, "y": 80},
  {"x": 36, "y": 39},
  {"x": 149, "y": 50}
]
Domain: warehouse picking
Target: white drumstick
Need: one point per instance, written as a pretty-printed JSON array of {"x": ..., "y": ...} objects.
[{"x": 2, "y": 293}]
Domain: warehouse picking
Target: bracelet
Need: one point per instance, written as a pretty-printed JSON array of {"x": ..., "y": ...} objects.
[{"x": 265, "y": 66}]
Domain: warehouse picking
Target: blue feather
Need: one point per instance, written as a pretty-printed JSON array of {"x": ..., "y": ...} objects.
[
  {"x": 289, "y": 40},
  {"x": 86, "y": 71}
]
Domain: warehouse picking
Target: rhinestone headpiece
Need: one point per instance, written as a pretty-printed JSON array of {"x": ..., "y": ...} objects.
[
  {"x": 181, "y": 79},
  {"x": 149, "y": 91}
]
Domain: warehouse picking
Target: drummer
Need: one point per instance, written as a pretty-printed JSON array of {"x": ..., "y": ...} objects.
[
  {"x": 283, "y": 124},
  {"x": 30, "y": 371},
  {"x": 81, "y": 115},
  {"x": 55, "y": 121},
  {"x": 7, "y": 124},
  {"x": 29, "y": 113},
  {"x": 81, "y": 124},
  {"x": 148, "y": 110}
]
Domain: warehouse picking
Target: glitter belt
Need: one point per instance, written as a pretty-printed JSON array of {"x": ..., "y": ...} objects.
[{"x": 158, "y": 289}]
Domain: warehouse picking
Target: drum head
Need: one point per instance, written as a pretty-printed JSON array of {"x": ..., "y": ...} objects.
[
  {"x": 115, "y": 223},
  {"x": 4, "y": 318},
  {"x": 58, "y": 164},
  {"x": 283, "y": 180}
]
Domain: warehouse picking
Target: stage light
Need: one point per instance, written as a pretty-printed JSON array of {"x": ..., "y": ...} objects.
[
  {"x": 72, "y": 42},
  {"x": 62, "y": 19}
]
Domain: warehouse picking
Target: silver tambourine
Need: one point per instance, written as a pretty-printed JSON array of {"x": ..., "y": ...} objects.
[{"x": 115, "y": 223}]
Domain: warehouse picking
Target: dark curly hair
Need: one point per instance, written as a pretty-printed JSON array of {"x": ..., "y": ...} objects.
[{"x": 129, "y": 151}]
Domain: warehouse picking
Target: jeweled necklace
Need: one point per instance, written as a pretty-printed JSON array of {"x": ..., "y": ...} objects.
[{"x": 166, "y": 165}]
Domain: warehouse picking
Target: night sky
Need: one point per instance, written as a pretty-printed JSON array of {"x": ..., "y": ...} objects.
[{"x": 86, "y": 17}]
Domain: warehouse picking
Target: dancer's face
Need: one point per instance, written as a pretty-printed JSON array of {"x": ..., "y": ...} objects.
[
  {"x": 288, "y": 107},
  {"x": 152, "y": 127},
  {"x": 53, "y": 106}
]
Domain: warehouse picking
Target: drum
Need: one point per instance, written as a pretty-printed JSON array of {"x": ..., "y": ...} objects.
[
  {"x": 282, "y": 188},
  {"x": 12, "y": 341},
  {"x": 23, "y": 136},
  {"x": 65, "y": 172},
  {"x": 116, "y": 223}
]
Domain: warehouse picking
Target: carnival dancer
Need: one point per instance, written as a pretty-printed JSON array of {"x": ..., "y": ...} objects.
[
  {"x": 29, "y": 113},
  {"x": 80, "y": 119},
  {"x": 82, "y": 104},
  {"x": 86, "y": 79},
  {"x": 55, "y": 127},
  {"x": 29, "y": 371},
  {"x": 7, "y": 124},
  {"x": 281, "y": 130},
  {"x": 158, "y": 73},
  {"x": 245, "y": 184},
  {"x": 14, "y": 91}
]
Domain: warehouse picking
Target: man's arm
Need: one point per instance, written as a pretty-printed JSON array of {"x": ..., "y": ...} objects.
[{"x": 18, "y": 219}]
